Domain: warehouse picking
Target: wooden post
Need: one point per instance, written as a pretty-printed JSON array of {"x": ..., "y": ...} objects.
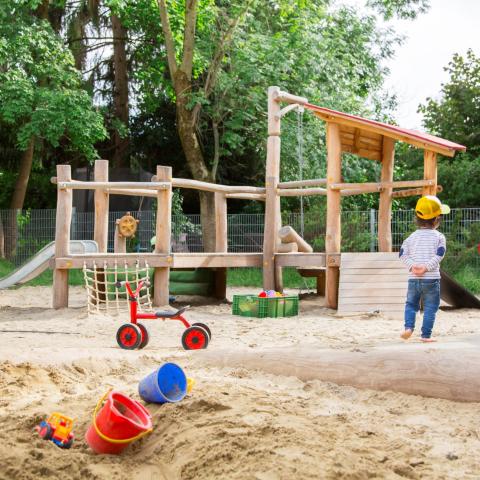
[
  {"x": 272, "y": 277},
  {"x": 221, "y": 243},
  {"x": 333, "y": 236},
  {"x": 100, "y": 231},
  {"x": 163, "y": 235},
  {"x": 385, "y": 207},
  {"x": 62, "y": 237},
  {"x": 430, "y": 172}
]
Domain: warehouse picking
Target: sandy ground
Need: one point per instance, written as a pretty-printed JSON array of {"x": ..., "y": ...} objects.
[{"x": 237, "y": 424}]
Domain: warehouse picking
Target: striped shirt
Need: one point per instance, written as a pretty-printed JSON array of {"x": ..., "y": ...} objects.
[{"x": 425, "y": 246}]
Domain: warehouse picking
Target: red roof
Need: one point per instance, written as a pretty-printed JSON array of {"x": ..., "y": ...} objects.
[{"x": 420, "y": 139}]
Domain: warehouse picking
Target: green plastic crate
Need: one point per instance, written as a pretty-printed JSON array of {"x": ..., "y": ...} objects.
[
  {"x": 245, "y": 305},
  {"x": 254, "y": 306}
]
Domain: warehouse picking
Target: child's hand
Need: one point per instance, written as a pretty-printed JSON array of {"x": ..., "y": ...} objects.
[{"x": 419, "y": 270}]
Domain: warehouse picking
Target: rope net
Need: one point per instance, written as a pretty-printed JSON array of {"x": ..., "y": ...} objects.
[{"x": 104, "y": 297}]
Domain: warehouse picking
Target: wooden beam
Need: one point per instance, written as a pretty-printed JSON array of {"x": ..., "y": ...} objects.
[
  {"x": 214, "y": 187},
  {"x": 102, "y": 185},
  {"x": 62, "y": 238},
  {"x": 221, "y": 243},
  {"x": 430, "y": 172},
  {"x": 216, "y": 260},
  {"x": 368, "y": 185},
  {"x": 385, "y": 206},
  {"x": 334, "y": 233},
  {"x": 362, "y": 152},
  {"x": 112, "y": 259},
  {"x": 360, "y": 191},
  {"x": 411, "y": 192},
  {"x": 286, "y": 97},
  {"x": 301, "y": 259},
  {"x": 100, "y": 229},
  {"x": 303, "y": 183},
  {"x": 301, "y": 192},
  {"x": 163, "y": 234},
  {"x": 259, "y": 197}
]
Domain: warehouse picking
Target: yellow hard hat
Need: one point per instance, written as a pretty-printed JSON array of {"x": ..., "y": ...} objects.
[{"x": 429, "y": 207}]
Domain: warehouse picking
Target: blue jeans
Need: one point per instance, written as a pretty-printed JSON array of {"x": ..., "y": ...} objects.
[{"x": 428, "y": 290}]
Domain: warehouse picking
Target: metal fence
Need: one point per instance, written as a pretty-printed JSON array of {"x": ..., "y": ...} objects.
[{"x": 22, "y": 234}]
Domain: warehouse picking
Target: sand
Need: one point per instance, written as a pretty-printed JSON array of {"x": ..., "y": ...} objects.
[{"x": 237, "y": 423}]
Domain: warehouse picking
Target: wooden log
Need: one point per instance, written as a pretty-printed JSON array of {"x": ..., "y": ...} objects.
[
  {"x": 163, "y": 235},
  {"x": 430, "y": 172},
  {"x": 221, "y": 243},
  {"x": 100, "y": 229},
  {"x": 301, "y": 259},
  {"x": 367, "y": 185},
  {"x": 119, "y": 241},
  {"x": 62, "y": 238},
  {"x": 102, "y": 185},
  {"x": 361, "y": 191},
  {"x": 214, "y": 187},
  {"x": 286, "y": 97},
  {"x": 334, "y": 233},
  {"x": 287, "y": 235},
  {"x": 385, "y": 206},
  {"x": 303, "y": 183},
  {"x": 136, "y": 192},
  {"x": 259, "y": 197},
  {"x": 449, "y": 370},
  {"x": 411, "y": 192},
  {"x": 301, "y": 192},
  {"x": 291, "y": 247}
]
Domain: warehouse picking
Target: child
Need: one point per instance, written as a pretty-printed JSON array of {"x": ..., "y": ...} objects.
[{"x": 422, "y": 253}]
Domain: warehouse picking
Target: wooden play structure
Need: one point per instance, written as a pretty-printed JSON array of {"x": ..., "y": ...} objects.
[{"x": 345, "y": 133}]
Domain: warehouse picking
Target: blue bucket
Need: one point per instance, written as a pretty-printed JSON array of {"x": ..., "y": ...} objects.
[{"x": 166, "y": 384}]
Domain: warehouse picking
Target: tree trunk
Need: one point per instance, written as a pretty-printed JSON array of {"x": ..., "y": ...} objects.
[
  {"x": 194, "y": 156},
  {"x": 120, "y": 90},
  {"x": 18, "y": 199}
]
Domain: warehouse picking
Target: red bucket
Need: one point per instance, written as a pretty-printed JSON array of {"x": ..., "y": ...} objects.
[{"x": 120, "y": 422}]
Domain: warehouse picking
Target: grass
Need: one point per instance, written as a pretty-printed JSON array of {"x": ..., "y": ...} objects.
[
  {"x": 469, "y": 277},
  {"x": 252, "y": 277}
]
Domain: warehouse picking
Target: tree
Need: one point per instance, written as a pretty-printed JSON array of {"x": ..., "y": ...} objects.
[
  {"x": 40, "y": 90},
  {"x": 456, "y": 116}
]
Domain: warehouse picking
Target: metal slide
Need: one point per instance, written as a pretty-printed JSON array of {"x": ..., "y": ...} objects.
[
  {"x": 40, "y": 262},
  {"x": 455, "y": 295}
]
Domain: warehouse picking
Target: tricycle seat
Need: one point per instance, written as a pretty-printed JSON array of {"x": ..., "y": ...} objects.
[{"x": 170, "y": 314}]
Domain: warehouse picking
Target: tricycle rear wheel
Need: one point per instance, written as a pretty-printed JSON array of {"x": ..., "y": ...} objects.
[{"x": 145, "y": 336}]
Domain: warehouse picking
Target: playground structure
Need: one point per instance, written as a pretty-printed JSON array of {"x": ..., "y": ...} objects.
[{"x": 344, "y": 133}]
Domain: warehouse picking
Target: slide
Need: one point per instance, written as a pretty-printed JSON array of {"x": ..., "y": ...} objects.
[
  {"x": 40, "y": 262},
  {"x": 456, "y": 295}
]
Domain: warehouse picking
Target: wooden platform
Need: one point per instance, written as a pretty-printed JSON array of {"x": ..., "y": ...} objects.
[{"x": 372, "y": 282}]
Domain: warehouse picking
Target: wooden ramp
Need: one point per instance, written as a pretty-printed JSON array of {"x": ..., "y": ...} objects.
[{"x": 371, "y": 282}]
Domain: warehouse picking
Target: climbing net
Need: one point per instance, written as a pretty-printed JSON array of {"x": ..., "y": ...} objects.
[{"x": 104, "y": 297}]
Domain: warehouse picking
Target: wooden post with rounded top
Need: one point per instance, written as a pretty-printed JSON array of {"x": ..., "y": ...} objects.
[
  {"x": 385, "y": 206},
  {"x": 62, "y": 237},
  {"x": 221, "y": 243},
  {"x": 430, "y": 172},
  {"x": 272, "y": 276},
  {"x": 163, "y": 235},
  {"x": 100, "y": 229},
  {"x": 333, "y": 235}
]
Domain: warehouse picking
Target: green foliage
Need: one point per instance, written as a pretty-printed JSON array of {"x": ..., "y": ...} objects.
[
  {"x": 40, "y": 90},
  {"x": 456, "y": 114},
  {"x": 400, "y": 8}
]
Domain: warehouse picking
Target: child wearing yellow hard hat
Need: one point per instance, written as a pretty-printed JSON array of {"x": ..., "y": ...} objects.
[{"x": 422, "y": 253}]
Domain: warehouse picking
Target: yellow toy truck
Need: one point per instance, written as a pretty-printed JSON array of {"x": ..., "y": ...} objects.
[{"x": 58, "y": 429}]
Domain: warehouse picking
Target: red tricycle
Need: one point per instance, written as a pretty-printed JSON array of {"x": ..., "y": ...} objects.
[{"x": 134, "y": 335}]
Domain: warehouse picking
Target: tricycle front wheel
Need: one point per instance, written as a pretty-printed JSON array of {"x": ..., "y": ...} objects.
[{"x": 129, "y": 336}]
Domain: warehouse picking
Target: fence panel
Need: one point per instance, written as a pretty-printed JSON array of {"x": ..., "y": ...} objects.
[{"x": 23, "y": 233}]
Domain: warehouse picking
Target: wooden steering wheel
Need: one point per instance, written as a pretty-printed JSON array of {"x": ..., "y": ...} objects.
[{"x": 127, "y": 226}]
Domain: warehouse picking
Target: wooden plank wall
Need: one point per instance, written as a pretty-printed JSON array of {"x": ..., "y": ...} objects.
[{"x": 372, "y": 281}]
